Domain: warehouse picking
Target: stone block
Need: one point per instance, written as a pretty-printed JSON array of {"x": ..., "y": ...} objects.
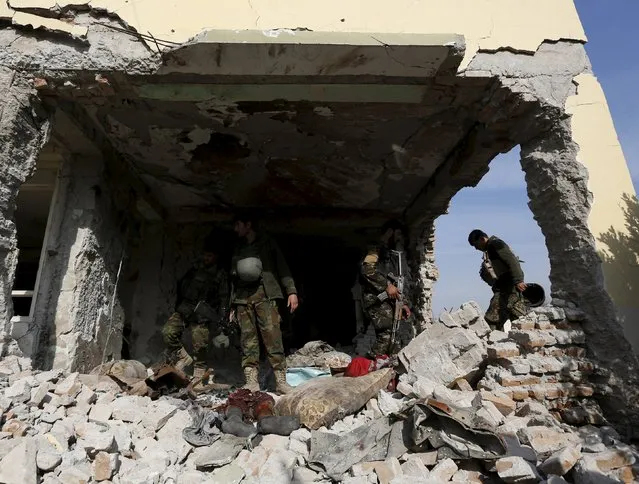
[
  {"x": 562, "y": 461},
  {"x": 506, "y": 349},
  {"x": 473, "y": 477},
  {"x": 429, "y": 458},
  {"x": 15, "y": 427},
  {"x": 70, "y": 386},
  {"x": 480, "y": 327},
  {"x": 490, "y": 414},
  {"x": 233, "y": 474},
  {"x": 497, "y": 336},
  {"x": 130, "y": 408},
  {"x": 611, "y": 459},
  {"x": 531, "y": 408},
  {"x": 439, "y": 353},
  {"x": 415, "y": 468},
  {"x": 104, "y": 466},
  {"x": 444, "y": 470},
  {"x": 513, "y": 424},
  {"x": 514, "y": 448},
  {"x": 19, "y": 465},
  {"x": 551, "y": 312},
  {"x": 75, "y": 475},
  {"x": 424, "y": 387},
  {"x": 300, "y": 448},
  {"x": 507, "y": 379},
  {"x": 278, "y": 468},
  {"x": 157, "y": 414},
  {"x": 448, "y": 320},
  {"x": 517, "y": 470},
  {"x": 94, "y": 440},
  {"x": 568, "y": 336},
  {"x": 48, "y": 461},
  {"x": 100, "y": 412},
  {"x": 504, "y": 404},
  {"x": 544, "y": 440},
  {"x": 40, "y": 395},
  {"x": 386, "y": 470},
  {"x": 19, "y": 392}
]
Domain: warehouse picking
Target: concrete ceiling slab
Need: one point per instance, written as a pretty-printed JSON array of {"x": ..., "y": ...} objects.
[{"x": 301, "y": 52}]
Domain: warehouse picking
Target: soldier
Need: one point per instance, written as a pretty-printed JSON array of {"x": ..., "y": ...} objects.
[
  {"x": 202, "y": 299},
  {"x": 258, "y": 269},
  {"x": 501, "y": 270},
  {"x": 374, "y": 276}
]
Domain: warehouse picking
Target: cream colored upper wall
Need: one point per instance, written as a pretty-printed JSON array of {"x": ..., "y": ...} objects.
[
  {"x": 487, "y": 24},
  {"x": 600, "y": 151}
]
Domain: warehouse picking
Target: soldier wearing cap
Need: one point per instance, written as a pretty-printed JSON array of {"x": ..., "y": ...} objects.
[
  {"x": 376, "y": 267},
  {"x": 260, "y": 278},
  {"x": 502, "y": 271},
  {"x": 202, "y": 300}
]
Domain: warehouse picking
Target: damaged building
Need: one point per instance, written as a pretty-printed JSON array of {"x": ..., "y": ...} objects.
[{"x": 129, "y": 130}]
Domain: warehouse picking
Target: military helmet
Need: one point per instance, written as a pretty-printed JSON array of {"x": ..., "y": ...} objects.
[{"x": 249, "y": 269}]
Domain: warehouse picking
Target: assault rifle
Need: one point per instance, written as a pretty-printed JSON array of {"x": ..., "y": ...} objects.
[{"x": 398, "y": 282}]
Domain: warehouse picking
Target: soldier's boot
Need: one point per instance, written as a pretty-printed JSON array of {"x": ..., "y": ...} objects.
[
  {"x": 182, "y": 359},
  {"x": 200, "y": 378},
  {"x": 251, "y": 376},
  {"x": 281, "y": 387}
]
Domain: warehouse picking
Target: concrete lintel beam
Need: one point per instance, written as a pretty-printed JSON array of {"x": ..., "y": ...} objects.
[
  {"x": 288, "y": 52},
  {"x": 293, "y": 219}
]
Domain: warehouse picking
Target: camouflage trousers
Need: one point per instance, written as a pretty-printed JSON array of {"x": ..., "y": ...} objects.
[
  {"x": 260, "y": 314},
  {"x": 173, "y": 331},
  {"x": 507, "y": 303},
  {"x": 380, "y": 315}
]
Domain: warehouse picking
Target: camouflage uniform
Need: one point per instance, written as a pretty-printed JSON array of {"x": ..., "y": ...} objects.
[
  {"x": 375, "y": 267},
  {"x": 256, "y": 303},
  {"x": 507, "y": 302},
  {"x": 207, "y": 284}
]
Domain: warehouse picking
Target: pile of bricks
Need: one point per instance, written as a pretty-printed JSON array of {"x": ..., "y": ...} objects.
[{"x": 542, "y": 357}]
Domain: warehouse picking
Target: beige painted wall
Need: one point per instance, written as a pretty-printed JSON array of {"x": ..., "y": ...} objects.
[
  {"x": 609, "y": 181},
  {"x": 487, "y": 24}
]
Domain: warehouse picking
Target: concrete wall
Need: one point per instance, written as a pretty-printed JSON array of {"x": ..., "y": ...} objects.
[
  {"x": 78, "y": 313},
  {"x": 611, "y": 217},
  {"x": 487, "y": 24}
]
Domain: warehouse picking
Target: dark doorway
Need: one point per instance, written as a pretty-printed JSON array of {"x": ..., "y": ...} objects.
[{"x": 325, "y": 270}]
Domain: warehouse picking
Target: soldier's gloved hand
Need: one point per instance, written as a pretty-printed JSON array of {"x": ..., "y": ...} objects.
[{"x": 221, "y": 341}]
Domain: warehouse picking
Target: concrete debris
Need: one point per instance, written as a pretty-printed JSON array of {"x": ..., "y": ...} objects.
[
  {"x": 561, "y": 462},
  {"x": 474, "y": 406},
  {"x": 517, "y": 470}
]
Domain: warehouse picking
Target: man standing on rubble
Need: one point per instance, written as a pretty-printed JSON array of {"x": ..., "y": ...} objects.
[
  {"x": 502, "y": 271},
  {"x": 202, "y": 300},
  {"x": 379, "y": 310},
  {"x": 259, "y": 272}
]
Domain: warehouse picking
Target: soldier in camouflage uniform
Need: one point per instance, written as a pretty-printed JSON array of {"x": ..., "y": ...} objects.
[
  {"x": 375, "y": 268},
  {"x": 502, "y": 271},
  {"x": 205, "y": 284},
  {"x": 259, "y": 272}
]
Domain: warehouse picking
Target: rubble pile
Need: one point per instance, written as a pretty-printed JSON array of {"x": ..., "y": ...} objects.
[{"x": 473, "y": 405}]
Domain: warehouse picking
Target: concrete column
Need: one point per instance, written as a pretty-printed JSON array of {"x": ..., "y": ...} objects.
[
  {"x": 78, "y": 309},
  {"x": 424, "y": 273},
  {"x": 560, "y": 199},
  {"x": 23, "y": 132}
]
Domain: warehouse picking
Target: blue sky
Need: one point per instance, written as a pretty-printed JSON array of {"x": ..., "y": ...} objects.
[{"x": 498, "y": 205}]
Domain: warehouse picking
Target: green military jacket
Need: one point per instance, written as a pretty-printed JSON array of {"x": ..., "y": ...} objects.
[
  {"x": 275, "y": 271},
  {"x": 200, "y": 283},
  {"x": 505, "y": 263}
]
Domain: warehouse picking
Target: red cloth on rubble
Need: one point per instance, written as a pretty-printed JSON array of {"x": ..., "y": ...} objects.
[{"x": 359, "y": 366}]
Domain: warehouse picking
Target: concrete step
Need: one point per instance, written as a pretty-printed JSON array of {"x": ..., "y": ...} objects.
[
  {"x": 539, "y": 364},
  {"x": 538, "y": 338}
]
